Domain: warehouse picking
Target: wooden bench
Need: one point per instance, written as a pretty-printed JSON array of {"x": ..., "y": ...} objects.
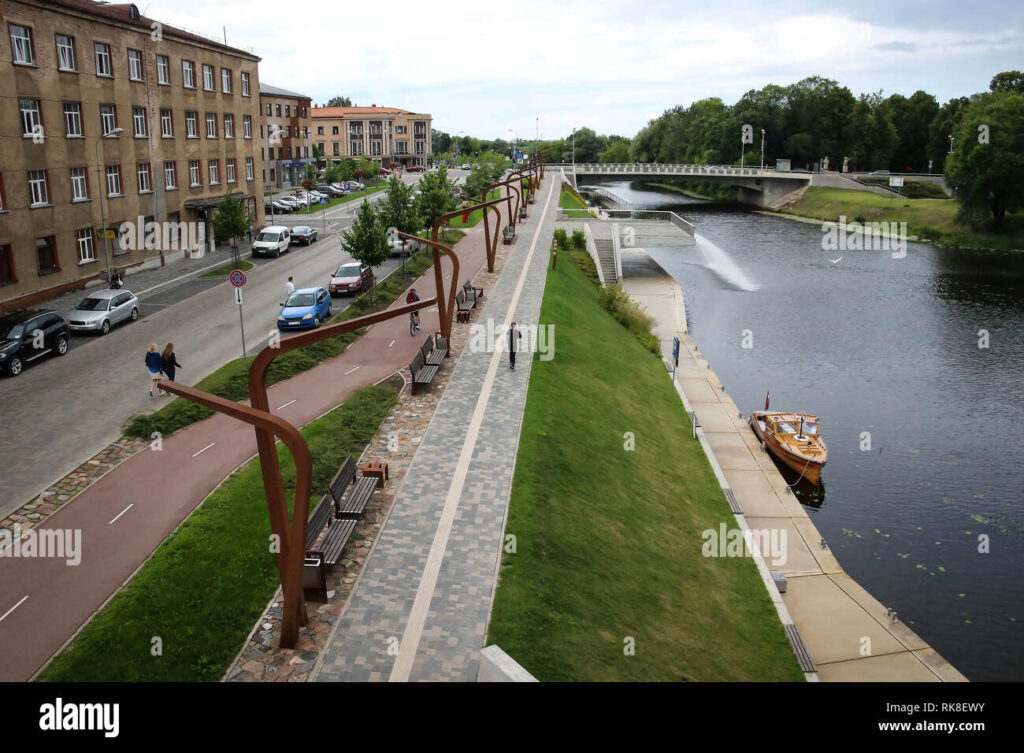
[
  {"x": 463, "y": 305},
  {"x": 508, "y": 234},
  {"x": 439, "y": 353},
  {"x": 522, "y": 213},
  {"x": 422, "y": 373},
  {"x": 319, "y": 560},
  {"x": 350, "y": 493},
  {"x": 476, "y": 292}
]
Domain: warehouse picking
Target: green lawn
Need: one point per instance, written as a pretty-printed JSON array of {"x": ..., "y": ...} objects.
[
  {"x": 474, "y": 216},
  {"x": 203, "y": 589},
  {"x": 226, "y": 269},
  {"x": 609, "y": 540},
  {"x": 575, "y": 208},
  {"x": 342, "y": 199}
]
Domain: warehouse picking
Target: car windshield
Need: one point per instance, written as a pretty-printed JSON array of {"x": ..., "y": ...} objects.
[
  {"x": 347, "y": 270},
  {"x": 301, "y": 229},
  {"x": 269, "y": 237},
  {"x": 11, "y": 331},
  {"x": 299, "y": 299},
  {"x": 93, "y": 304}
]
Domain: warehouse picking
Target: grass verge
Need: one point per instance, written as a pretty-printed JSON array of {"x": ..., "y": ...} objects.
[
  {"x": 341, "y": 200},
  {"x": 226, "y": 269},
  {"x": 205, "y": 586},
  {"x": 608, "y": 540},
  {"x": 474, "y": 216}
]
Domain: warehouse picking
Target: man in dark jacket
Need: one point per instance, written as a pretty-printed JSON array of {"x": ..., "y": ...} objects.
[{"x": 514, "y": 336}]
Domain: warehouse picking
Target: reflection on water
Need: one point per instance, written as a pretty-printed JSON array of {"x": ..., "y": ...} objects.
[{"x": 923, "y": 425}]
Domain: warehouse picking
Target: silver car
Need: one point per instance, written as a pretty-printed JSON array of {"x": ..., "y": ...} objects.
[{"x": 102, "y": 310}]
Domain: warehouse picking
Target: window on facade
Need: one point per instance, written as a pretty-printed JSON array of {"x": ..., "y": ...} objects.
[
  {"x": 208, "y": 77},
  {"x": 250, "y": 173},
  {"x": 288, "y": 152},
  {"x": 163, "y": 69},
  {"x": 139, "y": 121},
  {"x": 166, "y": 123},
  {"x": 79, "y": 184},
  {"x": 247, "y": 126},
  {"x": 37, "y": 189},
  {"x": 31, "y": 123},
  {"x": 102, "y": 50},
  {"x": 287, "y": 111},
  {"x": 191, "y": 127},
  {"x": 211, "y": 125},
  {"x": 86, "y": 252},
  {"x": 46, "y": 254},
  {"x": 65, "y": 52},
  {"x": 170, "y": 178},
  {"x": 229, "y": 126},
  {"x": 334, "y": 130},
  {"x": 143, "y": 172},
  {"x": 188, "y": 74},
  {"x": 337, "y": 148},
  {"x": 225, "y": 80},
  {"x": 245, "y": 84},
  {"x": 278, "y": 110},
  {"x": 280, "y": 152},
  {"x": 113, "y": 180},
  {"x": 108, "y": 118},
  {"x": 21, "y": 45},
  {"x": 135, "y": 65},
  {"x": 319, "y": 130},
  {"x": 193, "y": 172},
  {"x": 268, "y": 109},
  {"x": 214, "y": 171},
  {"x": 6, "y": 264},
  {"x": 230, "y": 169},
  {"x": 72, "y": 120}
]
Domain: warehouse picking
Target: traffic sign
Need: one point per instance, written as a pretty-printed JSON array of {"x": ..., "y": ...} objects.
[
  {"x": 323, "y": 200},
  {"x": 238, "y": 296},
  {"x": 237, "y": 278}
]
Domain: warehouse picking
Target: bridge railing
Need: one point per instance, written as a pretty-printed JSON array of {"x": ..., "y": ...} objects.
[
  {"x": 653, "y": 214},
  {"x": 631, "y": 168}
]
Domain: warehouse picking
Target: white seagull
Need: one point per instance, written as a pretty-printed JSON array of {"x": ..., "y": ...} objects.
[{"x": 836, "y": 261}]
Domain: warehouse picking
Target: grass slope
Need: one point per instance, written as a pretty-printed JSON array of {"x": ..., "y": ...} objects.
[
  {"x": 608, "y": 540},
  {"x": 205, "y": 586}
]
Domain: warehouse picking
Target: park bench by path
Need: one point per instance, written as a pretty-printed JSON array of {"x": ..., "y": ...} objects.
[
  {"x": 471, "y": 290},
  {"x": 350, "y": 493},
  {"x": 508, "y": 234},
  {"x": 421, "y": 371},
  {"x": 434, "y": 351},
  {"x": 522, "y": 213},
  {"x": 463, "y": 305}
]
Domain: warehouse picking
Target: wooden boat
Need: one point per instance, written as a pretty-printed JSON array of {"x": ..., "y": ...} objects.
[{"x": 794, "y": 439}]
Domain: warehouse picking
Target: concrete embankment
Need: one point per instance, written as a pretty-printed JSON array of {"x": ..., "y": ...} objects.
[{"x": 839, "y": 631}]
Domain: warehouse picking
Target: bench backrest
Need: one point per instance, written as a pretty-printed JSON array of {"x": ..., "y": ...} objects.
[
  {"x": 318, "y": 520},
  {"x": 345, "y": 475},
  {"x": 441, "y": 343},
  {"x": 427, "y": 347},
  {"x": 467, "y": 287},
  {"x": 416, "y": 365},
  {"x": 461, "y": 297}
]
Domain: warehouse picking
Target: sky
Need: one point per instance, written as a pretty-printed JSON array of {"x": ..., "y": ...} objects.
[{"x": 493, "y": 70}]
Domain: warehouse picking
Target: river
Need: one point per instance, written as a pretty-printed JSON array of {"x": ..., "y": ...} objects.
[{"x": 915, "y": 366}]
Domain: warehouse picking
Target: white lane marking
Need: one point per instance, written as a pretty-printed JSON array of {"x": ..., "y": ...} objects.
[
  {"x": 286, "y": 404},
  {"x": 129, "y": 507},
  {"x": 14, "y": 607},
  {"x": 410, "y": 642},
  {"x": 391, "y": 343},
  {"x": 351, "y": 370},
  {"x": 204, "y": 449}
]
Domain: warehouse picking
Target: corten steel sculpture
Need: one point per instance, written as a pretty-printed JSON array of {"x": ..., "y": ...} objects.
[{"x": 291, "y": 536}]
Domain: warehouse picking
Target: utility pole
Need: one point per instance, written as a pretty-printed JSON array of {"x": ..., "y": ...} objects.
[{"x": 762, "y": 149}]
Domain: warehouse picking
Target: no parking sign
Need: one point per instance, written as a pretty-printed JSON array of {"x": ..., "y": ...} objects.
[{"x": 237, "y": 278}]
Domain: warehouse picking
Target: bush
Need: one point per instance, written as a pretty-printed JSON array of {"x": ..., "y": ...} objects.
[
  {"x": 562, "y": 239},
  {"x": 629, "y": 314},
  {"x": 579, "y": 240}
]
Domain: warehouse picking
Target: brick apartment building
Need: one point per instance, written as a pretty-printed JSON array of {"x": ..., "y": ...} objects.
[{"x": 286, "y": 135}]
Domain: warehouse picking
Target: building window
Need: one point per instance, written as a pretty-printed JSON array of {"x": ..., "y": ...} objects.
[
  {"x": 193, "y": 172},
  {"x": 65, "y": 52},
  {"x": 21, "y": 45},
  {"x": 31, "y": 124},
  {"x": 86, "y": 253},
  {"x": 287, "y": 111},
  {"x": 191, "y": 126},
  {"x": 306, "y": 149},
  {"x": 38, "y": 193},
  {"x": 211, "y": 125},
  {"x": 208, "y": 77},
  {"x": 102, "y": 58},
  {"x": 288, "y": 152},
  {"x": 337, "y": 148},
  {"x": 375, "y": 148},
  {"x": 79, "y": 184},
  {"x": 188, "y": 74},
  {"x": 229, "y": 126},
  {"x": 280, "y": 152},
  {"x": 334, "y": 130},
  {"x": 163, "y": 69},
  {"x": 268, "y": 109},
  {"x": 170, "y": 179},
  {"x": 230, "y": 169},
  {"x": 321, "y": 146},
  {"x": 319, "y": 130},
  {"x": 139, "y": 121},
  {"x": 214, "y": 172},
  {"x": 135, "y": 65},
  {"x": 113, "y": 180},
  {"x": 250, "y": 173},
  {"x": 108, "y": 118},
  {"x": 225, "y": 80},
  {"x": 143, "y": 172},
  {"x": 247, "y": 126},
  {"x": 272, "y": 178},
  {"x": 305, "y": 112},
  {"x": 245, "y": 84},
  {"x": 6, "y": 264},
  {"x": 277, "y": 109},
  {"x": 166, "y": 123},
  {"x": 46, "y": 253},
  {"x": 72, "y": 120}
]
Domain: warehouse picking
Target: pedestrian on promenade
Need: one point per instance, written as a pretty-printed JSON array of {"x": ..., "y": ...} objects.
[
  {"x": 514, "y": 336},
  {"x": 412, "y": 297},
  {"x": 154, "y": 366},
  {"x": 290, "y": 286},
  {"x": 169, "y": 362},
  {"x": 250, "y": 234}
]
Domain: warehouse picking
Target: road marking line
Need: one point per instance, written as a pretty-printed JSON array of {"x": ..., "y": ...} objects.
[
  {"x": 205, "y": 449},
  {"x": 13, "y": 608},
  {"x": 129, "y": 507},
  {"x": 350, "y": 371},
  {"x": 283, "y": 406},
  {"x": 391, "y": 343},
  {"x": 410, "y": 641}
]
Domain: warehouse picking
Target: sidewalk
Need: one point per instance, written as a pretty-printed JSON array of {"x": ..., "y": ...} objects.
[{"x": 421, "y": 608}]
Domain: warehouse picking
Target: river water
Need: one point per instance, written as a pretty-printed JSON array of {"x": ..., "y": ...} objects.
[{"x": 922, "y": 498}]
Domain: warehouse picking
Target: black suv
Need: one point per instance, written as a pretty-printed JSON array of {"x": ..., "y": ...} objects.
[{"x": 28, "y": 335}]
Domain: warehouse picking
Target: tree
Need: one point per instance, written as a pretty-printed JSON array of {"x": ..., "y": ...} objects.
[
  {"x": 231, "y": 222},
  {"x": 588, "y": 145},
  {"x": 435, "y": 197},
  {"x": 339, "y": 102},
  {"x": 987, "y": 161},
  {"x": 912, "y": 118},
  {"x": 367, "y": 240},
  {"x": 616, "y": 151},
  {"x": 1009, "y": 81},
  {"x": 442, "y": 141},
  {"x": 942, "y": 126},
  {"x": 398, "y": 209}
]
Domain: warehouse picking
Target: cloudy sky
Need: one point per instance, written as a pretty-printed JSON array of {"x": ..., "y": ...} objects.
[{"x": 610, "y": 65}]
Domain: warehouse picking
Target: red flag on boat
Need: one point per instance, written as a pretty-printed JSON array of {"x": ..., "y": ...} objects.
[{"x": 767, "y": 399}]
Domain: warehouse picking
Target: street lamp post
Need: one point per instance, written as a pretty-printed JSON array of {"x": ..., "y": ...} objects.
[
  {"x": 573, "y": 150},
  {"x": 762, "y": 149},
  {"x": 100, "y": 178},
  {"x": 951, "y": 140}
]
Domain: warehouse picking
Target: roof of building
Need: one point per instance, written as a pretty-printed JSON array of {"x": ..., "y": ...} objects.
[
  {"x": 273, "y": 91},
  {"x": 348, "y": 112},
  {"x": 128, "y": 13}
]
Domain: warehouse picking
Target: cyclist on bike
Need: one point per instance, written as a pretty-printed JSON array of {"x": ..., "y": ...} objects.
[{"x": 414, "y": 316}]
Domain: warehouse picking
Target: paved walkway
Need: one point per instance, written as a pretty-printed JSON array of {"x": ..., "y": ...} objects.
[{"x": 421, "y": 608}]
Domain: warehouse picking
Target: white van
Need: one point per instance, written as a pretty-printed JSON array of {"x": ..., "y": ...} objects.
[{"x": 273, "y": 240}]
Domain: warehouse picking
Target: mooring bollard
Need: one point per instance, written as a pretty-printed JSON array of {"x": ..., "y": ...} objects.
[{"x": 554, "y": 255}]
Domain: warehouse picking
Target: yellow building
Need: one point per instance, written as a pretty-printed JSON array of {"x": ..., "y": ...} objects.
[{"x": 385, "y": 134}]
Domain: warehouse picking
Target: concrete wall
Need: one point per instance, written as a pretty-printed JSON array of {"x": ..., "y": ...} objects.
[{"x": 497, "y": 666}]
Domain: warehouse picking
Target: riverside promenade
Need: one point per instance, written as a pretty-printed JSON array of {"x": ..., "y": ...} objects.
[{"x": 846, "y": 632}]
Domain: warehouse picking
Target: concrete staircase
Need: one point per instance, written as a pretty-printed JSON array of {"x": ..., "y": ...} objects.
[{"x": 606, "y": 255}]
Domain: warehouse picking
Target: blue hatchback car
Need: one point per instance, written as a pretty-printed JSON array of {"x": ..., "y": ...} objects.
[{"x": 305, "y": 307}]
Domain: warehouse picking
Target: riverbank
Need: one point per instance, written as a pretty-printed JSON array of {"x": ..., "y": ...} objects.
[{"x": 689, "y": 193}]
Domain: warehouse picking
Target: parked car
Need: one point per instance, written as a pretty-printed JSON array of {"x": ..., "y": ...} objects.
[
  {"x": 19, "y": 343},
  {"x": 102, "y": 310},
  {"x": 465, "y": 166},
  {"x": 291, "y": 202},
  {"x": 416, "y": 169},
  {"x": 384, "y": 172},
  {"x": 304, "y": 234},
  {"x": 881, "y": 172},
  {"x": 351, "y": 277},
  {"x": 323, "y": 188},
  {"x": 398, "y": 244},
  {"x": 355, "y": 185},
  {"x": 338, "y": 190},
  {"x": 306, "y": 307},
  {"x": 279, "y": 207},
  {"x": 273, "y": 240}
]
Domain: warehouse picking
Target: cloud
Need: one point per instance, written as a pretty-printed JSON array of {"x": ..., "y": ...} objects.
[{"x": 897, "y": 46}]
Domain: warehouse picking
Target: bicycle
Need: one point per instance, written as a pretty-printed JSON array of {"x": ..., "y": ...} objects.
[{"x": 413, "y": 324}]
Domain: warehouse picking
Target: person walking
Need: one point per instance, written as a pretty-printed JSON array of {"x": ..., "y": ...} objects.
[
  {"x": 290, "y": 285},
  {"x": 514, "y": 336},
  {"x": 154, "y": 366},
  {"x": 169, "y": 363},
  {"x": 116, "y": 283},
  {"x": 250, "y": 234}
]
